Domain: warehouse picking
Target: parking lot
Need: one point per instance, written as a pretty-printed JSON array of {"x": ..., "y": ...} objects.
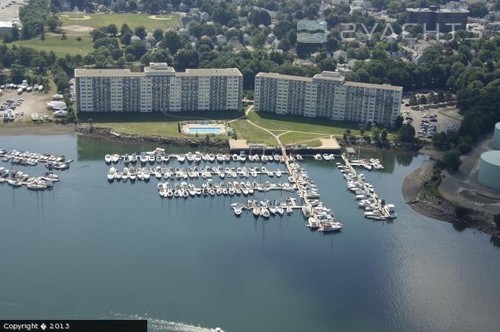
[
  {"x": 23, "y": 105},
  {"x": 9, "y": 9},
  {"x": 429, "y": 121}
]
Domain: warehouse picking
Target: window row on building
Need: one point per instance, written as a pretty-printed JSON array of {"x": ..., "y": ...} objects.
[
  {"x": 328, "y": 95},
  {"x": 158, "y": 89}
]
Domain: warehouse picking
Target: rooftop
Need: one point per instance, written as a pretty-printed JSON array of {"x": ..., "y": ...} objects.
[
  {"x": 158, "y": 68},
  {"x": 285, "y": 77},
  {"x": 491, "y": 157},
  {"x": 374, "y": 86}
]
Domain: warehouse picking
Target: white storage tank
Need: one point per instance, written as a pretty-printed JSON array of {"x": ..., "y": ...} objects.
[
  {"x": 489, "y": 169},
  {"x": 496, "y": 137}
]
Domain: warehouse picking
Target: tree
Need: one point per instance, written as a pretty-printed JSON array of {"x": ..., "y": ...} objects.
[
  {"x": 478, "y": 9},
  {"x": 327, "y": 64},
  {"x": 158, "y": 34},
  {"x": 186, "y": 58},
  {"x": 17, "y": 73},
  {"x": 125, "y": 29},
  {"x": 112, "y": 29},
  {"x": 172, "y": 41},
  {"x": 451, "y": 160},
  {"x": 406, "y": 133},
  {"x": 375, "y": 134},
  {"x": 383, "y": 135},
  {"x": 53, "y": 23},
  {"x": 140, "y": 32},
  {"x": 258, "y": 40}
]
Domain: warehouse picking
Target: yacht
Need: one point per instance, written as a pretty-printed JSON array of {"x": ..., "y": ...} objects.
[
  {"x": 330, "y": 226},
  {"x": 312, "y": 223},
  {"x": 389, "y": 208},
  {"x": 264, "y": 212}
]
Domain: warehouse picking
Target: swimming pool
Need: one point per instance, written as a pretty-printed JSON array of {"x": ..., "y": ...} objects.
[{"x": 205, "y": 130}]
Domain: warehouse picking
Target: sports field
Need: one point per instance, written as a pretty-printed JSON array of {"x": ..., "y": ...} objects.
[
  {"x": 54, "y": 42},
  {"x": 150, "y": 22}
]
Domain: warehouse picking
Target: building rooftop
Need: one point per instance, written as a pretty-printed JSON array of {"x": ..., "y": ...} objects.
[
  {"x": 212, "y": 72},
  {"x": 491, "y": 157},
  {"x": 374, "y": 86},
  {"x": 159, "y": 67},
  {"x": 156, "y": 69},
  {"x": 285, "y": 77},
  {"x": 330, "y": 75},
  {"x": 441, "y": 10},
  {"x": 106, "y": 73}
]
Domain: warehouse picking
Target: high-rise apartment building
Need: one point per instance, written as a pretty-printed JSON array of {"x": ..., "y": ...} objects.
[
  {"x": 435, "y": 19},
  {"x": 158, "y": 89},
  {"x": 328, "y": 95}
]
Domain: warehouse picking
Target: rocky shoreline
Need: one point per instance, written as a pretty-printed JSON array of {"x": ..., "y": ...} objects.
[
  {"x": 108, "y": 134},
  {"x": 426, "y": 203}
]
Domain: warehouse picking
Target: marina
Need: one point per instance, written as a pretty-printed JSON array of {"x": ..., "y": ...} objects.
[
  {"x": 125, "y": 252},
  {"x": 18, "y": 179},
  {"x": 27, "y": 158},
  {"x": 184, "y": 182}
]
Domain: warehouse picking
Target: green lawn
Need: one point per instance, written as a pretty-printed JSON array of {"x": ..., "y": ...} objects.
[
  {"x": 132, "y": 20},
  {"x": 301, "y": 124},
  {"x": 252, "y": 134},
  {"x": 302, "y": 138},
  {"x": 53, "y": 42},
  {"x": 156, "y": 124}
]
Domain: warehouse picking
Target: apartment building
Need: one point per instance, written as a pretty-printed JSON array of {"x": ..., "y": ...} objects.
[
  {"x": 328, "y": 95},
  {"x": 435, "y": 19},
  {"x": 159, "y": 88}
]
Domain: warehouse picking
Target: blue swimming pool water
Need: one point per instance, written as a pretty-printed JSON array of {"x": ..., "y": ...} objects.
[{"x": 205, "y": 130}]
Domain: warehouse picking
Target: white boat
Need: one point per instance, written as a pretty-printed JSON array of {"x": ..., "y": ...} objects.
[
  {"x": 107, "y": 158},
  {"x": 111, "y": 174},
  {"x": 36, "y": 186},
  {"x": 330, "y": 226},
  {"x": 312, "y": 223},
  {"x": 256, "y": 211},
  {"x": 264, "y": 212},
  {"x": 306, "y": 211},
  {"x": 14, "y": 183},
  {"x": 238, "y": 210},
  {"x": 318, "y": 157},
  {"x": 389, "y": 208},
  {"x": 280, "y": 210}
]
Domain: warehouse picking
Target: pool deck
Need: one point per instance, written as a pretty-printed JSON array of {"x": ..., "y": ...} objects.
[{"x": 222, "y": 129}]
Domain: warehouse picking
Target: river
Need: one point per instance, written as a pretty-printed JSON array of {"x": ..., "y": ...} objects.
[{"x": 92, "y": 249}]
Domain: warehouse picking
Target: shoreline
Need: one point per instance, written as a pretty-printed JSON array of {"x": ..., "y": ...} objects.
[
  {"x": 426, "y": 203},
  {"x": 413, "y": 189}
]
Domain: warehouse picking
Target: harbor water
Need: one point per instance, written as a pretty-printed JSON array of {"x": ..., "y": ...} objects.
[{"x": 89, "y": 249}]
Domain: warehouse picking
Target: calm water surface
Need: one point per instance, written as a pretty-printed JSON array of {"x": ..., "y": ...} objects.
[{"x": 90, "y": 249}]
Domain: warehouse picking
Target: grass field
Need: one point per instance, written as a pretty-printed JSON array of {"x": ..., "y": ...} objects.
[
  {"x": 71, "y": 45},
  {"x": 301, "y": 124},
  {"x": 293, "y": 130},
  {"x": 132, "y": 20},
  {"x": 252, "y": 134},
  {"x": 302, "y": 138},
  {"x": 53, "y": 42},
  {"x": 156, "y": 124}
]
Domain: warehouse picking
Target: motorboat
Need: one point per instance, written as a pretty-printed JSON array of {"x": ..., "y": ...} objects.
[
  {"x": 312, "y": 223},
  {"x": 330, "y": 226},
  {"x": 390, "y": 209}
]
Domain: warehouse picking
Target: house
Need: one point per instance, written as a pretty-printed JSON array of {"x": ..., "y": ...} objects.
[
  {"x": 271, "y": 38},
  {"x": 221, "y": 39}
]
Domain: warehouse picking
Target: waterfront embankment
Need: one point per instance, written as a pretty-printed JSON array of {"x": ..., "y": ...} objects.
[
  {"x": 438, "y": 204},
  {"x": 108, "y": 134}
]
